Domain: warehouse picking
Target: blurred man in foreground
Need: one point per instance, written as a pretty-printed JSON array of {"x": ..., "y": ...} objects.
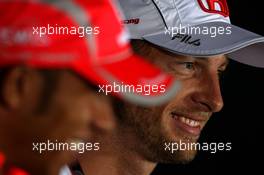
[{"x": 49, "y": 81}]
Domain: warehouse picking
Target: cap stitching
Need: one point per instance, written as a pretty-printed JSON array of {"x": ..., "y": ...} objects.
[
  {"x": 163, "y": 19},
  {"x": 177, "y": 10}
]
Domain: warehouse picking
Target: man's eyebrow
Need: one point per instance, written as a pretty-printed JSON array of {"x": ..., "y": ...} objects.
[{"x": 224, "y": 64}]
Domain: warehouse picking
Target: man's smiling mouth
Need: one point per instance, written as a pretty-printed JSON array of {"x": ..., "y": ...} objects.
[
  {"x": 187, "y": 121},
  {"x": 190, "y": 124}
]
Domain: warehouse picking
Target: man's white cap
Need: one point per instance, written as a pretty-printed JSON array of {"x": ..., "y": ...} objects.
[{"x": 192, "y": 27}]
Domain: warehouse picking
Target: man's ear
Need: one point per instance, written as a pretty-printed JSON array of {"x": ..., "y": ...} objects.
[
  {"x": 103, "y": 114},
  {"x": 16, "y": 87}
]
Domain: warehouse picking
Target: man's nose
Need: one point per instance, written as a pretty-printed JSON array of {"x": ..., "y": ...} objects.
[{"x": 208, "y": 95}]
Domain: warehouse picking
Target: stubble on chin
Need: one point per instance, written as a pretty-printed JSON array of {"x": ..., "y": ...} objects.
[{"x": 146, "y": 124}]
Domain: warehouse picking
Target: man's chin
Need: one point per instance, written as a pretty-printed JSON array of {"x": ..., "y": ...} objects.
[
  {"x": 179, "y": 150},
  {"x": 178, "y": 157},
  {"x": 185, "y": 156}
]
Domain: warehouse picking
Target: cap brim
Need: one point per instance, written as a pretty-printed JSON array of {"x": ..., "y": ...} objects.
[
  {"x": 135, "y": 77},
  {"x": 241, "y": 45}
]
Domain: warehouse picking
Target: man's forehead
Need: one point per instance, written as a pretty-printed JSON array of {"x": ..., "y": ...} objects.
[
  {"x": 150, "y": 50},
  {"x": 221, "y": 58}
]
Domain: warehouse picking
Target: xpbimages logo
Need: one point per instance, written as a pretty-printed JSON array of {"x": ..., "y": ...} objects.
[
  {"x": 81, "y": 31},
  {"x": 174, "y": 147},
  {"x": 77, "y": 146},
  {"x": 212, "y": 31},
  {"x": 125, "y": 88}
]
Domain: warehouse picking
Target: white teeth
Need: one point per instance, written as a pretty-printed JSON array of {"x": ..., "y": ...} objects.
[{"x": 189, "y": 122}]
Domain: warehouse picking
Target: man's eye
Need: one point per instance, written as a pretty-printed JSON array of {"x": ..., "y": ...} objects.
[
  {"x": 182, "y": 68},
  {"x": 189, "y": 65}
]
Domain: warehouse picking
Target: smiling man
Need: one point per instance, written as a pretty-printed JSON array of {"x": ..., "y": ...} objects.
[
  {"x": 139, "y": 141},
  {"x": 184, "y": 117},
  {"x": 191, "y": 40}
]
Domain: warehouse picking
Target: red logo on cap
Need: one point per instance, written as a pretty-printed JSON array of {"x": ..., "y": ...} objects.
[{"x": 215, "y": 6}]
